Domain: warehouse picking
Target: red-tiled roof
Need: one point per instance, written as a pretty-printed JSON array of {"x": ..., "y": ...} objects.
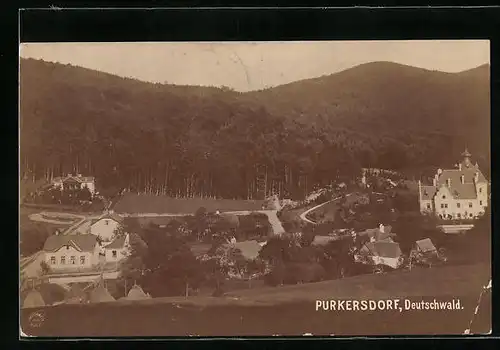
[{"x": 83, "y": 243}]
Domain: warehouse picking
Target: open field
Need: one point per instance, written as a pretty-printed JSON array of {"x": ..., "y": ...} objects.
[
  {"x": 132, "y": 203},
  {"x": 284, "y": 310},
  {"x": 25, "y": 222}
]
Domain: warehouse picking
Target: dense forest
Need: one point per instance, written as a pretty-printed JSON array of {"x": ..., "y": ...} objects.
[{"x": 190, "y": 141}]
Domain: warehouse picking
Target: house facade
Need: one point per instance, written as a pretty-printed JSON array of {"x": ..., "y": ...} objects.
[
  {"x": 106, "y": 226},
  {"x": 83, "y": 252},
  {"x": 71, "y": 252},
  {"x": 72, "y": 182},
  {"x": 117, "y": 250},
  {"x": 460, "y": 193}
]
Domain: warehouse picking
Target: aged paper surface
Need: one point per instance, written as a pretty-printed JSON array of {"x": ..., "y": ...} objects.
[{"x": 255, "y": 188}]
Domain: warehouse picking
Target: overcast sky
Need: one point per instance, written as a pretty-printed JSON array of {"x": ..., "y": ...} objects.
[{"x": 253, "y": 66}]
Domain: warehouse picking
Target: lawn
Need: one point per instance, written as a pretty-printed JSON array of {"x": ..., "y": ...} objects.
[
  {"x": 286, "y": 310},
  {"x": 327, "y": 212},
  {"x": 132, "y": 203}
]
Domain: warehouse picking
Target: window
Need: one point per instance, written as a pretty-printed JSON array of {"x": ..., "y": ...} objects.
[
  {"x": 470, "y": 204},
  {"x": 52, "y": 260},
  {"x": 73, "y": 260},
  {"x": 82, "y": 260},
  {"x": 470, "y": 215},
  {"x": 444, "y": 197},
  {"x": 446, "y": 205},
  {"x": 459, "y": 215},
  {"x": 458, "y": 205},
  {"x": 114, "y": 253},
  {"x": 428, "y": 205},
  {"x": 67, "y": 247},
  {"x": 63, "y": 260},
  {"x": 480, "y": 189},
  {"x": 106, "y": 222},
  {"x": 480, "y": 202},
  {"x": 442, "y": 205}
]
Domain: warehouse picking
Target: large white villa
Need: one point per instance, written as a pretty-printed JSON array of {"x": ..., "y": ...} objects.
[{"x": 460, "y": 193}]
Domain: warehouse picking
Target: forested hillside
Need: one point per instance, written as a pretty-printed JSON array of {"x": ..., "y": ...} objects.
[{"x": 205, "y": 141}]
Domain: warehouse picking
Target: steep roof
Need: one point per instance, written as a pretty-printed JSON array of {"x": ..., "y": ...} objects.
[
  {"x": 249, "y": 249},
  {"x": 117, "y": 243},
  {"x": 427, "y": 192},
  {"x": 109, "y": 216},
  {"x": 74, "y": 178},
  {"x": 83, "y": 243},
  {"x": 33, "y": 299},
  {"x": 382, "y": 249},
  {"x": 137, "y": 293},
  {"x": 100, "y": 294},
  {"x": 425, "y": 245},
  {"x": 455, "y": 175}
]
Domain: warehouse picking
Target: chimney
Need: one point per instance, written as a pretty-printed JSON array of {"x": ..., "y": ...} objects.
[
  {"x": 462, "y": 179},
  {"x": 372, "y": 239},
  {"x": 476, "y": 177},
  {"x": 460, "y": 166},
  {"x": 381, "y": 228},
  {"x": 434, "y": 181},
  {"x": 70, "y": 174}
]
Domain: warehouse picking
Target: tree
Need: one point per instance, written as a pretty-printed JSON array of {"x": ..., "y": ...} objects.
[
  {"x": 45, "y": 268},
  {"x": 308, "y": 234}
]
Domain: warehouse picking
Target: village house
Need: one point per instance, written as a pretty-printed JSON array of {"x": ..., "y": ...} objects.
[
  {"x": 67, "y": 253},
  {"x": 71, "y": 252},
  {"x": 426, "y": 247},
  {"x": 460, "y": 193},
  {"x": 106, "y": 226},
  {"x": 382, "y": 233},
  {"x": 72, "y": 182},
  {"x": 380, "y": 253}
]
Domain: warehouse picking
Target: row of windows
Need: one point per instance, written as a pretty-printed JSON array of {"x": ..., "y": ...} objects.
[
  {"x": 445, "y": 205},
  {"x": 72, "y": 260}
]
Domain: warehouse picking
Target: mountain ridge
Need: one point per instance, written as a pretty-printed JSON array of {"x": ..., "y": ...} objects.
[{"x": 378, "y": 114}]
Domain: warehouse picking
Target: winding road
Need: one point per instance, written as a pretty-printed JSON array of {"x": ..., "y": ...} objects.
[{"x": 303, "y": 216}]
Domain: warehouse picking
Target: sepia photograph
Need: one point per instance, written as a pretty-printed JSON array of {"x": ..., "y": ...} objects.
[{"x": 281, "y": 188}]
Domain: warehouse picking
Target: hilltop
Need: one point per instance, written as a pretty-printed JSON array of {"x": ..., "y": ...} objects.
[{"x": 207, "y": 141}]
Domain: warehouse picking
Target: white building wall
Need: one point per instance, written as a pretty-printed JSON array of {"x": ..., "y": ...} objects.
[
  {"x": 426, "y": 206},
  {"x": 104, "y": 228},
  {"x": 67, "y": 253},
  {"x": 458, "y": 208}
]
